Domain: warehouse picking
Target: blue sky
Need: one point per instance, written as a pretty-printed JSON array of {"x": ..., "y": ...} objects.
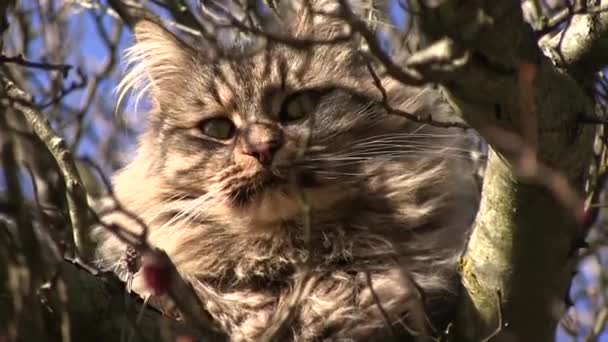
[{"x": 91, "y": 53}]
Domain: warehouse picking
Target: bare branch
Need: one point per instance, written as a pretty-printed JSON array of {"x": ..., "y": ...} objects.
[
  {"x": 63, "y": 68},
  {"x": 75, "y": 194},
  {"x": 582, "y": 46},
  {"x": 179, "y": 290},
  {"x": 357, "y": 25},
  {"x": 416, "y": 118},
  {"x": 492, "y": 94}
]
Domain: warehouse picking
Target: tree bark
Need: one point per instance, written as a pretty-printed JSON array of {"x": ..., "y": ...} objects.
[{"x": 514, "y": 270}]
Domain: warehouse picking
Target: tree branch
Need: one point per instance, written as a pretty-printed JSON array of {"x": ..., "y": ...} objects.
[
  {"x": 178, "y": 290},
  {"x": 19, "y": 60},
  {"x": 499, "y": 81},
  {"x": 75, "y": 192},
  {"x": 582, "y": 46}
]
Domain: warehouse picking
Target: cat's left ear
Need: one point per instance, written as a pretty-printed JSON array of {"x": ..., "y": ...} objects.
[
  {"x": 152, "y": 36},
  {"x": 157, "y": 60}
]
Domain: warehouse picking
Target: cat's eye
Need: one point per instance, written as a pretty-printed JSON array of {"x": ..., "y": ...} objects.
[
  {"x": 218, "y": 128},
  {"x": 299, "y": 105}
]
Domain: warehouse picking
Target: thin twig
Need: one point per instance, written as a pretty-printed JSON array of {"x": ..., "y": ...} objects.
[
  {"x": 304, "y": 284},
  {"x": 117, "y": 204},
  {"x": 179, "y": 290},
  {"x": 394, "y": 70},
  {"x": 385, "y": 317},
  {"x": 416, "y": 118},
  {"x": 501, "y": 325},
  {"x": 296, "y": 43},
  {"x": 19, "y": 60},
  {"x": 65, "y": 91},
  {"x": 283, "y": 318}
]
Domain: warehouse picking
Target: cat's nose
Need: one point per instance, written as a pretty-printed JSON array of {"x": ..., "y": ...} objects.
[{"x": 263, "y": 151}]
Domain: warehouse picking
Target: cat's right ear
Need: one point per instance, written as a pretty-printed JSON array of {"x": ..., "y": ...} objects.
[
  {"x": 151, "y": 36},
  {"x": 156, "y": 61}
]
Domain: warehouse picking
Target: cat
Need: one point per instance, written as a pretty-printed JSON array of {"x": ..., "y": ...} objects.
[{"x": 251, "y": 167}]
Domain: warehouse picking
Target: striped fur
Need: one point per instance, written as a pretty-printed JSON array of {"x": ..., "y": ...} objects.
[{"x": 388, "y": 197}]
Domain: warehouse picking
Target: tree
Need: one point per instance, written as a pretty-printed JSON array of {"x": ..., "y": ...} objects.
[{"x": 527, "y": 76}]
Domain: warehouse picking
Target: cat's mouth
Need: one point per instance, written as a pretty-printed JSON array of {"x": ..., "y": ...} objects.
[
  {"x": 269, "y": 197},
  {"x": 249, "y": 190}
]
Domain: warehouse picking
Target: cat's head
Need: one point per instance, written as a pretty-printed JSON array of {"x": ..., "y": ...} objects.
[{"x": 254, "y": 136}]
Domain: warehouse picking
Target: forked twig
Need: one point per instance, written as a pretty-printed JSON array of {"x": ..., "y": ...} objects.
[
  {"x": 20, "y": 60},
  {"x": 416, "y": 118},
  {"x": 501, "y": 325},
  {"x": 385, "y": 317}
]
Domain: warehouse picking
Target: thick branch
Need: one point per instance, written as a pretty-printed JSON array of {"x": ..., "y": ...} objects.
[
  {"x": 96, "y": 307},
  {"x": 99, "y": 309},
  {"x": 500, "y": 83},
  {"x": 75, "y": 192},
  {"x": 582, "y": 46}
]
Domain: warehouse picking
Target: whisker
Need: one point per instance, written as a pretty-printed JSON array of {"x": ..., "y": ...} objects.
[
  {"x": 371, "y": 154},
  {"x": 359, "y": 160},
  {"x": 167, "y": 201},
  {"x": 188, "y": 210}
]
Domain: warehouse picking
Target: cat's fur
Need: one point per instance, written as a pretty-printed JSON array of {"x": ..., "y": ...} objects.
[{"x": 387, "y": 196}]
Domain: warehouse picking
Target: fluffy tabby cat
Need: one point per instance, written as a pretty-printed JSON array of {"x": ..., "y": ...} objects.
[{"x": 236, "y": 148}]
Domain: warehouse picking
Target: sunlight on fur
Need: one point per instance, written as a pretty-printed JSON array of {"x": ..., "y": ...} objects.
[{"x": 233, "y": 147}]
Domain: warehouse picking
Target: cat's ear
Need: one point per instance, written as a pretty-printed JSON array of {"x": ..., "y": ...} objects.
[
  {"x": 156, "y": 61},
  {"x": 152, "y": 36}
]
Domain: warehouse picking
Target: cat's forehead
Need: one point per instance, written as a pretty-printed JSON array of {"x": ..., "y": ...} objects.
[{"x": 275, "y": 72}]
